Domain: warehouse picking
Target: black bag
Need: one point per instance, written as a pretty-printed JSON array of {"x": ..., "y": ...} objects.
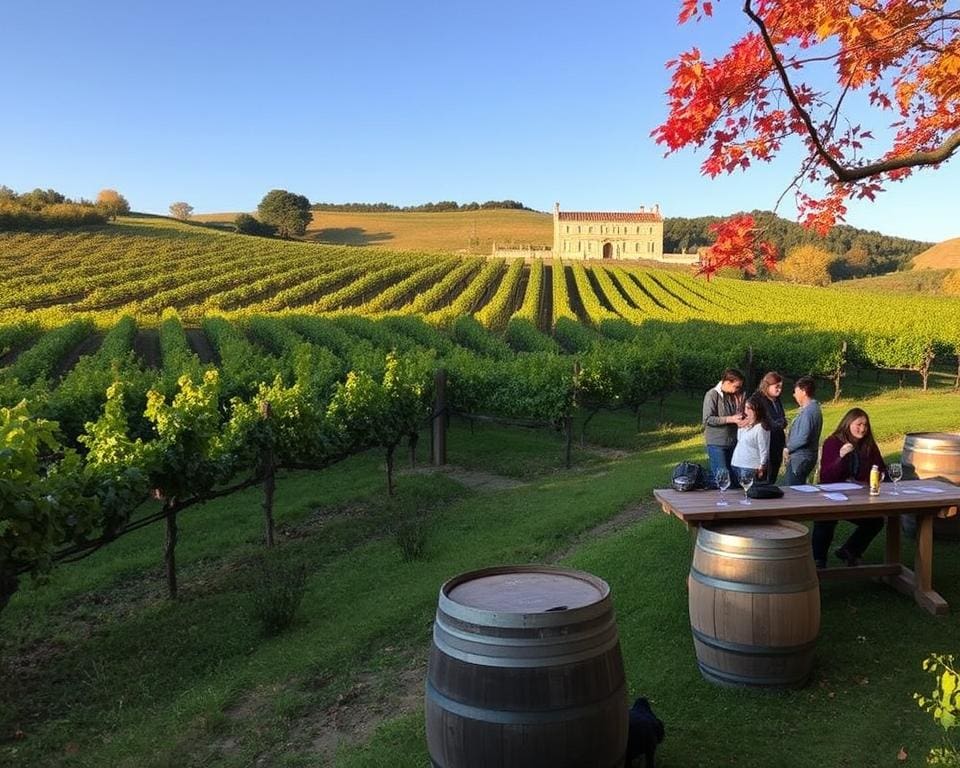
[
  {"x": 688, "y": 476},
  {"x": 765, "y": 492}
]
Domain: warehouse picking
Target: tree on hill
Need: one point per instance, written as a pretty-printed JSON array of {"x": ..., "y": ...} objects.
[
  {"x": 288, "y": 212},
  {"x": 112, "y": 203},
  {"x": 181, "y": 210},
  {"x": 808, "y": 264},
  {"x": 903, "y": 58}
]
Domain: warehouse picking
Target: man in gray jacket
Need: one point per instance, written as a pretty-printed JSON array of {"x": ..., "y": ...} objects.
[
  {"x": 722, "y": 416},
  {"x": 803, "y": 442}
]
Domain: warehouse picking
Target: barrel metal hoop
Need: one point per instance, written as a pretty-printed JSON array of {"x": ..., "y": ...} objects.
[
  {"x": 794, "y": 552},
  {"x": 506, "y": 717},
  {"x": 732, "y": 679},
  {"x": 512, "y": 661},
  {"x": 753, "y": 650},
  {"x": 568, "y": 629},
  {"x": 483, "y": 617},
  {"x": 527, "y": 647},
  {"x": 760, "y": 589}
]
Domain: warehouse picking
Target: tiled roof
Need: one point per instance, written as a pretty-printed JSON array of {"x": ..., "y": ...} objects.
[{"x": 649, "y": 216}]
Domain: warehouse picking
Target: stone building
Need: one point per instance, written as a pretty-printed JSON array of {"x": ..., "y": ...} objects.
[{"x": 608, "y": 234}]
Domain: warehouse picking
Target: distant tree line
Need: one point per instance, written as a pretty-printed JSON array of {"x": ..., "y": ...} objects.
[
  {"x": 856, "y": 252},
  {"x": 49, "y": 209},
  {"x": 443, "y": 205}
]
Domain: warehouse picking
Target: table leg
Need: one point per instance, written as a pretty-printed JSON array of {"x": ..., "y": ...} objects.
[
  {"x": 923, "y": 568},
  {"x": 893, "y": 541}
]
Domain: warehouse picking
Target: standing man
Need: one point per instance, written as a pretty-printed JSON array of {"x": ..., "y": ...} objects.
[
  {"x": 803, "y": 442},
  {"x": 722, "y": 416}
]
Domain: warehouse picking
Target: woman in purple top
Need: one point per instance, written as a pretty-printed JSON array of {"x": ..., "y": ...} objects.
[{"x": 848, "y": 454}]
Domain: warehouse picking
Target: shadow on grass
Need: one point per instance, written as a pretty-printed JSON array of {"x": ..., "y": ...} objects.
[{"x": 349, "y": 236}]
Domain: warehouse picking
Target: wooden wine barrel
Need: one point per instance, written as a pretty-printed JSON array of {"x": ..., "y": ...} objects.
[
  {"x": 525, "y": 671},
  {"x": 932, "y": 456},
  {"x": 754, "y": 603}
]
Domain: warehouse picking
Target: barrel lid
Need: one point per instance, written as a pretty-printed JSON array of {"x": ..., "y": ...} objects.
[
  {"x": 769, "y": 529},
  {"x": 932, "y": 439},
  {"x": 526, "y": 590}
]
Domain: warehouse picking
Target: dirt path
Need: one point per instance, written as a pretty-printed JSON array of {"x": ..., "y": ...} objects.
[
  {"x": 86, "y": 347},
  {"x": 146, "y": 345},
  {"x": 200, "y": 344},
  {"x": 477, "y": 481}
]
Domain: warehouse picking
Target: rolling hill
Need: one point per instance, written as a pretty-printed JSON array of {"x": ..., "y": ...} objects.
[
  {"x": 450, "y": 231},
  {"x": 945, "y": 255}
]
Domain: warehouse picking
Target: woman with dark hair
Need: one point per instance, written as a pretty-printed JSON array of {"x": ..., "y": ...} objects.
[
  {"x": 722, "y": 406},
  {"x": 771, "y": 385},
  {"x": 848, "y": 454},
  {"x": 752, "y": 452}
]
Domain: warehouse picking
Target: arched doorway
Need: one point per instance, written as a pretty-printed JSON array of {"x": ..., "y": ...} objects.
[{"x": 608, "y": 250}]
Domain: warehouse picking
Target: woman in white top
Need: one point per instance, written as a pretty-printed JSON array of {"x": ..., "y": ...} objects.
[{"x": 753, "y": 439}]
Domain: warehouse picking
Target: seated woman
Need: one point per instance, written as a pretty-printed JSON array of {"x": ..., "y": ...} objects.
[
  {"x": 847, "y": 455},
  {"x": 752, "y": 451}
]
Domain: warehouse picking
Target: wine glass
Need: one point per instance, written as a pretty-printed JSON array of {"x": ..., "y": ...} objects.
[
  {"x": 723, "y": 483},
  {"x": 746, "y": 480},
  {"x": 895, "y": 473}
]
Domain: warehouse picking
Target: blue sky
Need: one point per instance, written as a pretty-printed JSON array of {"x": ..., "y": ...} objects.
[{"x": 402, "y": 102}]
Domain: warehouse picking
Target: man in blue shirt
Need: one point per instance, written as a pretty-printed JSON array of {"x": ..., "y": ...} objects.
[{"x": 803, "y": 442}]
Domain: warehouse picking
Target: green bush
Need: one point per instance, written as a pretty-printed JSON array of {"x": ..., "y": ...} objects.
[
  {"x": 276, "y": 591},
  {"x": 411, "y": 534}
]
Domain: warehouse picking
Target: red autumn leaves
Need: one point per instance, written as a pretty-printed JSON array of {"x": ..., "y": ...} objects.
[{"x": 794, "y": 76}]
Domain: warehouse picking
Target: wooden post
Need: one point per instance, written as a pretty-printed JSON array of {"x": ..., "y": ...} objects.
[
  {"x": 412, "y": 439},
  {"x": 838, "y": 374},
  {"x": 390, "y": 450},
  {"x": 568, "y": 427},
  {"x": 170, "y": 546},
  {"x": 438, "y": 431},
  {"x": 269, "y": 478}
]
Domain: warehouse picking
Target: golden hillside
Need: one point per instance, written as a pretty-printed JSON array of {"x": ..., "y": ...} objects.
[
  {"x": 451, "y": 231},
  {"x": 945, "y": 255}
]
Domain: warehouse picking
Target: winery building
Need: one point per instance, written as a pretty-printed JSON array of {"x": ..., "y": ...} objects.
[{"x": 608, "y": 234}]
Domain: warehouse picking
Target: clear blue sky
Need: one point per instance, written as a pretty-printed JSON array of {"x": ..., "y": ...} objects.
[{"x": 366, "y": 101}]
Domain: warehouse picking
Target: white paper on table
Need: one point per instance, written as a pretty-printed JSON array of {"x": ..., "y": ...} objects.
[
  {"x": 910, "y": 491},
  {"x": 804, "y": 488},
  {"x": 836, "y": 496},
  {"x": 840, "y": 487},
  {"x": 928, "y": 489}
]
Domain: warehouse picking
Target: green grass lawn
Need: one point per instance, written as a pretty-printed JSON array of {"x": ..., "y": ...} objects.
[{"x": 98, "y": 669}]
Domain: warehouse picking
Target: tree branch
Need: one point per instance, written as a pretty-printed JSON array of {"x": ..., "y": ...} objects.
[{"x": 847, "y": 174}]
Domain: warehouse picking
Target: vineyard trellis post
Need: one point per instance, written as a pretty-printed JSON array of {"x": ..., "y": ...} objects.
[
  {"x": 268, "y": 463},
  {"x": 438, "y": 425},
  {"x": 839, "y": 372},
  {"x": 170, "y": 545}
]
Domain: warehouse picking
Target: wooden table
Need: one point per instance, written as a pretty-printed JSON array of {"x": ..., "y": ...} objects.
[{"x": 696, "y": 507}]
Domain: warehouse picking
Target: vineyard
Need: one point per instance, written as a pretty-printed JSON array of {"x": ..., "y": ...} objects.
[
  {"x": 156, "y": 348},
  {"x": 148, "y": 368}
]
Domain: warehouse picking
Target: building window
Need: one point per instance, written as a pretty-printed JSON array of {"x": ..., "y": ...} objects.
[
  {"x": 568, "y": 229},
  {"x": 636, "y": 247},
  {"x": 579, "y": 246},
  {"x": 578, "y": 229}
]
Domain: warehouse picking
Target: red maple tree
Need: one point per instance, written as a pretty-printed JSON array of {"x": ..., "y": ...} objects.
[{"x": 899, "y": 57}]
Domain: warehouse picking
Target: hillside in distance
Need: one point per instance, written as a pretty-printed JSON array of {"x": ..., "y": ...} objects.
[
  {"x": 945, "y": 255},
  {"x": 449, "y": 231}
]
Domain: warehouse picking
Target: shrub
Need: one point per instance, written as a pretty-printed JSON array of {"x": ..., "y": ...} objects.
[
  {"x": 275, "y": 594},
  {"x": 411, "y": 534},
  {"x": 250, "y": 225},
  {"x": 943, "y": 704}
]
